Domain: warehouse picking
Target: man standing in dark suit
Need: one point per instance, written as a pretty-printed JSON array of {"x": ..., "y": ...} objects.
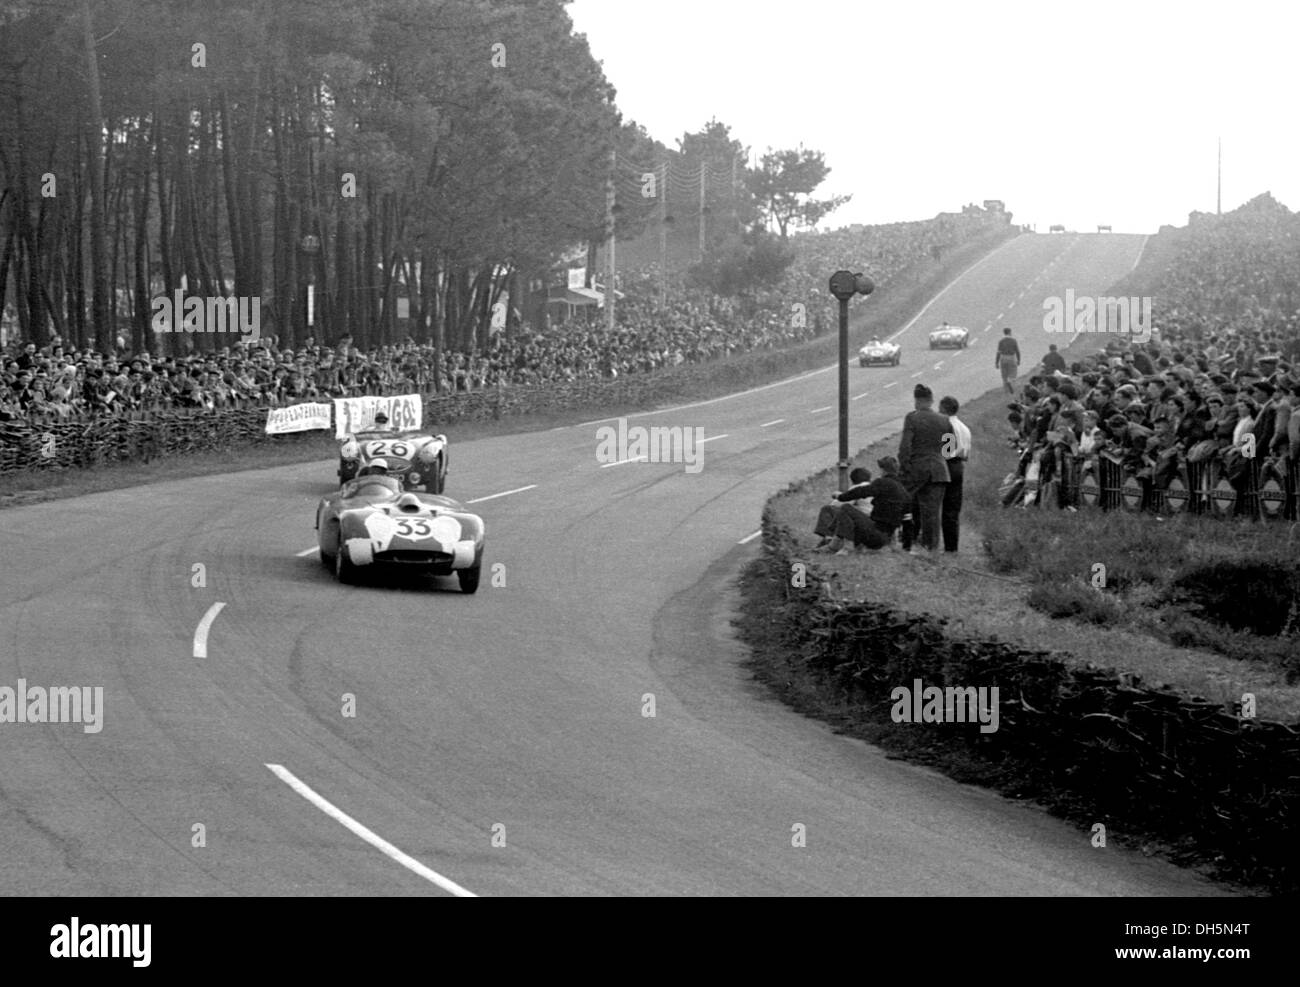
[{"x": 925, "y": 470}]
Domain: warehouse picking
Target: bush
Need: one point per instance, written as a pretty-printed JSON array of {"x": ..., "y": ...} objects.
[{"x": 1077, "y": 600}]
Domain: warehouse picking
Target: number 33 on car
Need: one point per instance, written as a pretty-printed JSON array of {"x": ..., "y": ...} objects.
[{"x": 372, "y": 523}]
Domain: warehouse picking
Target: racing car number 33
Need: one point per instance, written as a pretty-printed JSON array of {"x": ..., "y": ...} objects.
[{"x": 414, "y": 528}]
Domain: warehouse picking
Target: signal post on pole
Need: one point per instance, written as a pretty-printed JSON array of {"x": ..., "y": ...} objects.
[{"x": 844, "y": 285}]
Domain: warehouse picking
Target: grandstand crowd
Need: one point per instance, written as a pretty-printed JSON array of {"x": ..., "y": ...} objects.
[
  {"x": 694, "y": 326},
  {"x": 1217, "y": 385}
]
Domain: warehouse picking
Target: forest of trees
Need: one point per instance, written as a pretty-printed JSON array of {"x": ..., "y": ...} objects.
[{"x": 440, "y": 151}]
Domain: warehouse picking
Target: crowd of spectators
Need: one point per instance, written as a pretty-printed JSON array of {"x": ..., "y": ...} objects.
[
  {"x": 1218, "y": 383},
  {"x": 693, "y": 326}
]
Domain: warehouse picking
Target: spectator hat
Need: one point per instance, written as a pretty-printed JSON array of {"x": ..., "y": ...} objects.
[
  {"x": 1263, "y": 386},
  {"x": 888, "y": 464},
  {"x": 921, "y": 392}
]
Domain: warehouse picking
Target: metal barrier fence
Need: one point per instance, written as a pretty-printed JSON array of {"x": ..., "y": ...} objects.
[{"x": 1268, "y": 490}]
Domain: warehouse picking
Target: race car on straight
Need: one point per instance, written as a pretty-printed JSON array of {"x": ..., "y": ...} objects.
[
  {"x": 948, "y": 337},
  {"x": 373, "y": 524},
  {"x": 876, "y": 352},
  {"x": 418, "y": 459}
]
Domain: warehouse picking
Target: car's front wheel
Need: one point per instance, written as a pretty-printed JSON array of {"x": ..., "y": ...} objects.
[
  {"x": 469, "y": 578},
  {"x": 344, "y": 571}
]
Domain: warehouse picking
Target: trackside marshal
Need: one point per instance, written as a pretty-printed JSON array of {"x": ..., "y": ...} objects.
[
  {"x": 297, "y": 418},
  {"x": 352, "y": 415}
]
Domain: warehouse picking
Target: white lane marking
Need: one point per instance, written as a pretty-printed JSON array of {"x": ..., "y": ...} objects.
[
  {"x": 712, "y": 437},
  {"x": 376, "y": 841},
  {"x": 917, "y": 374},
  {"x": 307, "y": 551},
  {"x": 938, "y": 365},
  {"x": 776, "y": 422},
  {"x": 201, "y": 632},
  {"x": 859, "y": 396},
  {"x": 1001, "y": 316},
  {"x": 891, "y": 383},
  {"x": 987, "y": 328},
  {"x": 624, "y": 462},
  {"x": 503, "y": 493},
  {"x": 1011, "y": 306},
  {"x": 817, "y": 411},
  {"x": 749, "y": 538}
]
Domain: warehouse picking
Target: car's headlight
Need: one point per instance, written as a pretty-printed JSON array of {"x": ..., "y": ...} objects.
[{"x": 415, "y": 477}]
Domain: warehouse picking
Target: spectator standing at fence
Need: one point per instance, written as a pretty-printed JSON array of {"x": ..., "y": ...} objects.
[
  {"x": 1007, "y": 359},
  {"x": 950, "y": 521},
  {"x": 925, "y": 471},
  {"x": 1263, "y": 394}
]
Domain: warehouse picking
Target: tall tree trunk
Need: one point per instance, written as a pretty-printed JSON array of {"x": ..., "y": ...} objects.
[{"x": 105, "y": 331}]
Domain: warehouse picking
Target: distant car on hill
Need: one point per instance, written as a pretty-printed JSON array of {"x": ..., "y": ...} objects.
[
  {"x": 878, "y": 353},
  {"x": 948, "y": 337}
]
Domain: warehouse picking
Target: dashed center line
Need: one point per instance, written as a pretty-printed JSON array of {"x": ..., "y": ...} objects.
[
  {"x": 917, "y": 374},
  {"x": 816, "y": 411},
  {"x": 201, "y": 632},
  {"x": 376, "y": 841},
  {"x": 859, "y": 396},
  {"x": 938, "y": 365},
  {"x": 622, "y": 462},
  {"x": 749, "y": 538},
  {"x": 711, "y": 438},
  {"x": 776, "y": 422},
  {"x": 503, "y": 493},
  {"x": 307, "y": 551},
  {"x": 891, "y": 383}
]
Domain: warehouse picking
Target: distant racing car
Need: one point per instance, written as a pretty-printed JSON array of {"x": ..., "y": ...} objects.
[
  {"x": 948, "y": 337},
  {"x": 876, "y": 352},
  {"x": 372, "y": 523},
  {"x": 418, "y": 459}
]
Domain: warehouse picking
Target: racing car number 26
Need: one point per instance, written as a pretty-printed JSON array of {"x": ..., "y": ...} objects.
[{"x": 398, "y": 450}]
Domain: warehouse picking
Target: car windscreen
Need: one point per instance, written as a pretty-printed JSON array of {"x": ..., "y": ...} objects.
[{"x": 372, "y": 487}]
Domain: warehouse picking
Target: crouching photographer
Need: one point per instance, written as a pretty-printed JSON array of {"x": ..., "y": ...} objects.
[{"x": 846, "y": 522}]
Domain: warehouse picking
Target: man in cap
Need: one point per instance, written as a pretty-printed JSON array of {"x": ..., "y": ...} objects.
[{"x": 925, "y": 471}]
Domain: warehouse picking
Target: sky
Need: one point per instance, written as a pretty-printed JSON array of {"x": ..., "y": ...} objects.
[{"x": 1079, "y": 114}]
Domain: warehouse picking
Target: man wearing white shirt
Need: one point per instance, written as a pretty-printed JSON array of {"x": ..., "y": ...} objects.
[{"x": 957, "y": 454}]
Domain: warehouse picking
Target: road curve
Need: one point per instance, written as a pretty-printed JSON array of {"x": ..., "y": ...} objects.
[{"x": 498, "y": 743}]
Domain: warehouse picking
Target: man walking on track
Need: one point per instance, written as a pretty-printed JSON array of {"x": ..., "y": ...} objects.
[
  {"x": 1007, "y": 359},
  {"x": 925, "y": 471}
]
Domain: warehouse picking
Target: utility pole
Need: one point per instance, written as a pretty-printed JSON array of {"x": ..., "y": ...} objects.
[
  {"x": 735, "y": 192},
  {"x": 703, "y": 177},
  {"x": 609, "y": 228},
  {"x": 663, "y": 236}
]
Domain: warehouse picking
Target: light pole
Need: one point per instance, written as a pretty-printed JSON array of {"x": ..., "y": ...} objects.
[{"x": 844, "y": 285}]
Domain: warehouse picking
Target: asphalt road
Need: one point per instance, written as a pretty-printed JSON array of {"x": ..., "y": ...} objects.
[{"x": 498, "y": 744}]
